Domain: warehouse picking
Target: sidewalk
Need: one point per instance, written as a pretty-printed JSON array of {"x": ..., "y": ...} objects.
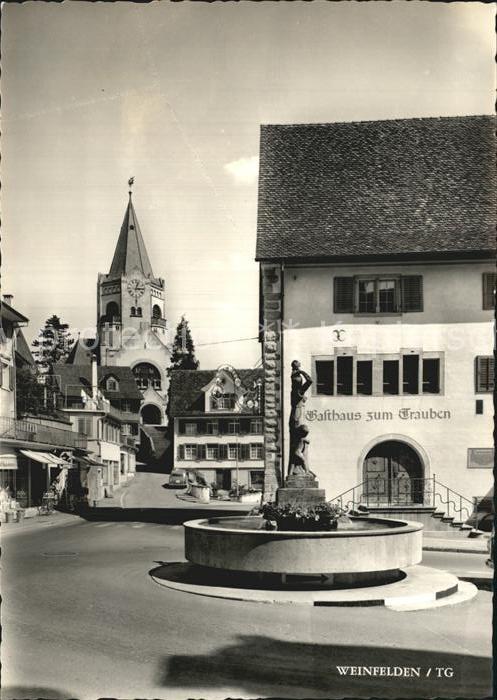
[
  {"x": 39, "y": 522},
  {"x": 467, "y": 545}
]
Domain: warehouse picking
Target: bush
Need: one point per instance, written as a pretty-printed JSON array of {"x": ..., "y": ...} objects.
[{"x": 323, "y": 516}]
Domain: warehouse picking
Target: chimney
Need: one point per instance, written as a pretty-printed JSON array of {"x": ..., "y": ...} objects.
[
  {"x": 94, "y": 376},
  {"x": 8, "y": 299}
]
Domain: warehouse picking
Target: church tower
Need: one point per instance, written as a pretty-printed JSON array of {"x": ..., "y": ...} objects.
[{"x": 131, "y": 318}]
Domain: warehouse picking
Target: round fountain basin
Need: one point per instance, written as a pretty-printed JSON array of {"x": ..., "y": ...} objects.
[{"x": 364, "y": 548}]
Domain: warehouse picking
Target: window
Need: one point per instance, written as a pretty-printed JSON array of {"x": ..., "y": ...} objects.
[
  {"x": 138, "y": 310},
  {"x": 126, "y": 406},
  {"x": 324, "y": 377},
  {"x": 191, "y": 429},
  {"x": 84, "y": 426},
  {"x": 257, "y": 479},
  {"x": 479, "y": 407},
  {"x": 212, "y": 451},
  {"x": 156, "y": 312},
  {"x": 391, "y": 377},
  {"x": 112, "y": 384},
  {"x": 133, "y": 311},
  {"x": 232, "y": 451},
  {"x": 233, "y": 427},
  {"x": 344, "y": 375},
  {"x": 431, "y": 376},
  {"x": 410, "y": 371},
  {"x": 256, "y": 426},
  {"x": 364, "y": 377},
  {"x": 190, "y": 451},
  {"x": 256, "y": 451},
  {"x": 489, "y": 282},
  {"x": 146, "y": 375},
  {"x": 378, "y": 295},
  {"x": 112, "y": 311},
  {"x": 225, "y": 402},
  {"x": 484, "y": 374},
  {"x": 212, "y": 427}
]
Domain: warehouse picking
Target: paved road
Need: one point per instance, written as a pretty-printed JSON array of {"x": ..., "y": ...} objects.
[{"x": 82, "y": 619}]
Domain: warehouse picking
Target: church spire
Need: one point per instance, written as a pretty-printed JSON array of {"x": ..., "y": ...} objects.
[{"x": 130, "y": 253}]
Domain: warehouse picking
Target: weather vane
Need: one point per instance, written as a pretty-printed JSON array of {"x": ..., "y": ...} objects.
[{"x": 130, "y": 184}]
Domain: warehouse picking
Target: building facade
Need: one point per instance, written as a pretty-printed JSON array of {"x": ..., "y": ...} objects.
[
  {"x": 376, "y": 242},
  {"x": 102, "y": 403},
  {"x": 37, "y": 452},
  {"x": 131, "y": 319},
  {"x": 218, "y": 426}
]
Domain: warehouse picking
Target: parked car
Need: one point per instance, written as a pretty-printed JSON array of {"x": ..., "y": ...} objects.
[{"x": 178, "y": 478}]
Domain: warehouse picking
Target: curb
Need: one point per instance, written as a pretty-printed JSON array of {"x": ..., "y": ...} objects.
[{"x": 456, "y": 549}]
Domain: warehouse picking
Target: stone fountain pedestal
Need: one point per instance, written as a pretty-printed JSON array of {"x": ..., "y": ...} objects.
[{"x": 301, "y": 490}]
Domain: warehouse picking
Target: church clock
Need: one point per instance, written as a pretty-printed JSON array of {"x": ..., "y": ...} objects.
[{"x": 136, "y": 287}]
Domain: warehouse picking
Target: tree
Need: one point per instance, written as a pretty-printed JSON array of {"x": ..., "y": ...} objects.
[
  {"x": 183, "y": 353},
  {"x": 52, "y": 345},
  {"x": 31, "y": 394},
  {"x": 182, "y": 357}
]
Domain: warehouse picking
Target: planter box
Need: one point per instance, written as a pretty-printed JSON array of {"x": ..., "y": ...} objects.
[
  {"x": 201, "y": 492},
  {"x": 250, "y": 497}
]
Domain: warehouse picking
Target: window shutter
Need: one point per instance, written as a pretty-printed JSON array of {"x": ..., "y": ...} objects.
[
  {"x": 181, "y": 427},
  {"x": 412, "y": 293},
  {"x": 223, "y": 451},
  {"x": 11, "y": 378},
  {"x": 343, "y": 296},
  {"x": 489, "y": 280},
  {"x": 244, "y": 426},
  {"x": 222, "y": 426},
  {"x": 201, "y": 453},
  {"x": 245, "y": 451},
  {"x": 485, "y": 369},
  {"x": 181, "y": 452}
]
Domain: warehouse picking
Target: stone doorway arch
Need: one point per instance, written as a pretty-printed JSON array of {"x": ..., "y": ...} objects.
[{"x": 393, "y": 474}]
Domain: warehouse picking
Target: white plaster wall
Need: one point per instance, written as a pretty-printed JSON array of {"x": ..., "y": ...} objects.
[{"x": 453, "y": 322}]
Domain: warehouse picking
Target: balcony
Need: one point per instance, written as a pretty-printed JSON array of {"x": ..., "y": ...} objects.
[
  {"x": 28, "y": 431},
  {"x": 158, "y": 323}
]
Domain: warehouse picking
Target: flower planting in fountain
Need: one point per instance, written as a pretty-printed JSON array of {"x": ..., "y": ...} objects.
[{"x": 319, "y": 517}]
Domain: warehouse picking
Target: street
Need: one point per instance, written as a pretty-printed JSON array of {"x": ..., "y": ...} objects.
[{"x": 83, "y": 619}]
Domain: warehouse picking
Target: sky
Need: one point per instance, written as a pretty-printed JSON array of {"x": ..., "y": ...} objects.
[{"x": 174, "y": 94}]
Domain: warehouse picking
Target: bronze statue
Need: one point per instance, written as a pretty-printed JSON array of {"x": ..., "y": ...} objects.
[{"x": 301, "y": 382}]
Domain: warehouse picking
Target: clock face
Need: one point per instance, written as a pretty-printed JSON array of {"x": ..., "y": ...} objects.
[{"x": 136, "y": 287}]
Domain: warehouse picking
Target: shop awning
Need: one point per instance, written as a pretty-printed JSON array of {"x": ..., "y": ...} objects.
[
  {"x": 46, "y": 458},
  {"x": 90, "y": 461}
]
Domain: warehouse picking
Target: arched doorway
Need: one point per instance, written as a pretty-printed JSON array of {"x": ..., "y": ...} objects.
[
  {"x": 151, "y": 414},
  {"x": 393, "y": 474}
]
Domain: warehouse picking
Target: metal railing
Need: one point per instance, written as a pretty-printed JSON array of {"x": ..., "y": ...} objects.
[
  {"x": 30, "y": 431},
  {"x": 406, "y": 491}
]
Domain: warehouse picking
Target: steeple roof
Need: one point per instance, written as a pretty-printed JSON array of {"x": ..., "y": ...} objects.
[{"x": 130, "y": 252}]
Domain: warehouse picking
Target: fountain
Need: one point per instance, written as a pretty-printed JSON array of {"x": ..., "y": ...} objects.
[
  {"x": 351, "y": 560},
  {"x": 357, "y": 551}
]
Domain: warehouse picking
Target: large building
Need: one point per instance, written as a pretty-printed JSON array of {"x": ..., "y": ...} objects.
[
  {"x": 101, "y": 403},
  {"x": 376, "y": 243},
  {"x": 219, "y": 433},
  {"x": 131, "y": 319}
]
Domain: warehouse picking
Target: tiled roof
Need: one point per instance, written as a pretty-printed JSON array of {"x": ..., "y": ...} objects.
[
  {"x": 71, "y": 378},
  {"x": 23, "y": 351},
  {"x": 408, "y": 186},
  {"x": 185, "y": 388},
  {"x": 81, "y": 352},
  {"x": 130, "y": 250}
]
